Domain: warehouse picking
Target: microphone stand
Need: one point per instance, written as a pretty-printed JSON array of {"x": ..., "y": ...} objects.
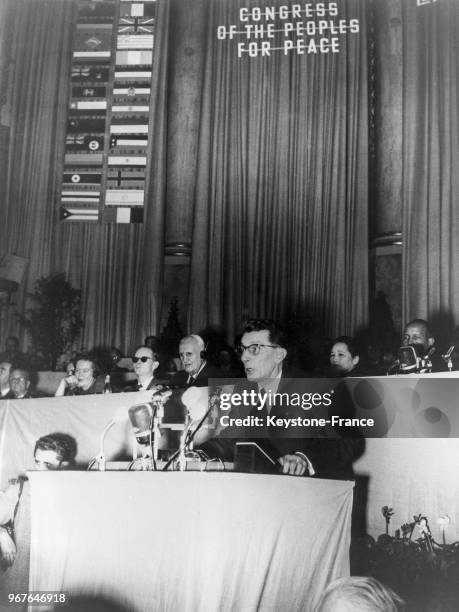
[{"x": 100, "y": 458}]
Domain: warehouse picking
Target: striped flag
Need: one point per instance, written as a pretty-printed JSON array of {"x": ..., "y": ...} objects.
[
  {"x": 79, "y": 213},
  {"x": 73, "y": 198},
  {"x": 137, "y": 9},
  {"x": 132, "y": 128},
  {"x": 118, "y": 160},
  {"x": 126, "y": 176},
  {"x": 139, "y": 108},
  {"x": 123, "y": 215},
  {"x": 135, "y": 90},
  {"x": 132, "y": 73},
  {"x": 130, "y": 140},
  {"x": 124, "y": 197},
  {"x": 135, "y": 41},
  {"x": 80, "y": 159},
  {"x": 134, "y": 58},
  {"x": 135, "y": 25},
  {"x": 82, "y": 178},
  {"x": 88, "y": 104}
]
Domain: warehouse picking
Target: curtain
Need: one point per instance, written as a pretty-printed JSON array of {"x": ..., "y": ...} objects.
[
  {"x": 431, "y": 161},
  {"x": 118, "y": 267},
  {"x": 35, "y": 51},
  {"x": 280, "y": 216}
]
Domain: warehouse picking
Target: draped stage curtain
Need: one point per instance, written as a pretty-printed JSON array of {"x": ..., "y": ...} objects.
[
  {"x": 431, "y": 161},
  {"x": 118, "y": 267},
  {"x": 281, "y": 203}
]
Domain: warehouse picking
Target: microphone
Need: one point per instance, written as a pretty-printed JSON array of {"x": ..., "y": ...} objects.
[
  {"x": 119, "y": 416},
  {"x": 447, "y": 357}
]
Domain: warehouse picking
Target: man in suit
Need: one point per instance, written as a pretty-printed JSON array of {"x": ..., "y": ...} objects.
[
  {"x": 20, "y": 387},
  {"x": 145, "y": 363},
  {"x": 418, "y": 335},
  {"x": 196, "y": 369},
  {"x": 263, "y": 351}
]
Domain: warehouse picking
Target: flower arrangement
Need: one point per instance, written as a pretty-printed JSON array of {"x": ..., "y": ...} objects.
[{"x": 422, "y": 571}]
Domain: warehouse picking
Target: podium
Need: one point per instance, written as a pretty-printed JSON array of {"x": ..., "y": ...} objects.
[{"x": 188, "y": 541}]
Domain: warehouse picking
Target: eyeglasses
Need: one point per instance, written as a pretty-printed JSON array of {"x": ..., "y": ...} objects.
[
  {"x": 18, "y": 379},
  {"x": 83, "y": 371},
  {"x": 253, "y": 349},
  {"x": 143, "y": 359}
]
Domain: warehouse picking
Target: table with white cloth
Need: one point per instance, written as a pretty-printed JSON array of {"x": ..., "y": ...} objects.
[{"x": 189, "y": 541}]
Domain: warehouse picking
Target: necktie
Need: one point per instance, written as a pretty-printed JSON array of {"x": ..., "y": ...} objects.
[{"x": 191, "y": 380}]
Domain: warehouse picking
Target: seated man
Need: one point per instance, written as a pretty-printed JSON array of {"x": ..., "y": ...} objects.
[
  {"x": 324, "y": 454},
  {"x": 196, "y": 369},
  {"x": 418, "y": 335},
  {"x": 145, "y": 362},
  {"x": 56, "y": 451},
  {"x": 20, "y": 387}
]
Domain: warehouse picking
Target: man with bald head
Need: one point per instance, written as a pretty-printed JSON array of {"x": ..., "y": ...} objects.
[{"x": 418, "y": 335}]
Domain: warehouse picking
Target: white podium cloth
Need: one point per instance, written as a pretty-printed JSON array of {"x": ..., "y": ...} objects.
[{"x": 189, "y": 541}]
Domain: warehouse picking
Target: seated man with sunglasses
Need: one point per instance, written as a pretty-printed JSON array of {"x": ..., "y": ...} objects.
[{"x": 145, "y": 362}]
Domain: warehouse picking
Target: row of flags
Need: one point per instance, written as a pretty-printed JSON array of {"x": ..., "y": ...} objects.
[{"x": 108, "y": 122}]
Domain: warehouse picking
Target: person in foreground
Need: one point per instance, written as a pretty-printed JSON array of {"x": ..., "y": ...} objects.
[
  {"x": 56, "y": 451},
  {"x": 325, "y": 454},
  {"x": 359, "y": 594}
]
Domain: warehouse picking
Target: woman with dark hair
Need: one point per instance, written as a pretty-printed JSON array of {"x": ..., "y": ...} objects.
[
  {"x": 83, "y": 381},
  {"x": 344, "y": 357}
]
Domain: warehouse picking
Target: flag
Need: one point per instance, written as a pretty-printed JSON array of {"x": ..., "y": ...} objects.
[
  {"x": 134, "y": 58},
  {"x": 88, "y": 105},
  {"x": 82, "y": 178},
  {"x": 89, "y": 92},
  {"x": 130, "y": 109},
  {"x": 126, "y": 175},
  {"x": 123, "y": 215},
  {"x": 73, "y": 198},
  {"x": 84, "y": 142},
  {"x": 96, "y": 11},
  {"x": 130, "y": 119},
  {"x": 92, "y": 44},
  {"x": 86, "y": 123},
  {"x": 135, "y": 41},
  {"x": 135, "y": 25},
  {"x": 79, "y": 213},
  {"x": 118, "y": 160},
  {"x": 137, "y": 10},
  {"x": 132, "y": 128},
  {"x": 91, "y": 74},
  {"x": 124, "y": 197},
  {"x": 133, "y": 91},
  {"x": 132, "y": 72},
  {"x": 131, "y": 140},
  {"x": 80, "y": 159}
]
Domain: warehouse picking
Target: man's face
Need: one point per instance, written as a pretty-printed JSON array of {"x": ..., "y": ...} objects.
[
  {"x": 267, "y": 363},
  {"x": 190, "y": 354},
  {"x": 5, "y": 370},
  {"x": 19, "y": 382},
  {"x": 144, "y": 369},
  {"x": 416, "y": 334},
  {"x": 47, "y": 460}
]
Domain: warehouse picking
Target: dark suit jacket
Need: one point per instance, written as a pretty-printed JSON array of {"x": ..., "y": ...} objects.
[
  {"x": 180, "y": 379},
  {"x": 330, "y": 453}
]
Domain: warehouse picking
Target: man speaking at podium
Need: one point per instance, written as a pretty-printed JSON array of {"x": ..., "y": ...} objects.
[{"x": 263, "y": 351}]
